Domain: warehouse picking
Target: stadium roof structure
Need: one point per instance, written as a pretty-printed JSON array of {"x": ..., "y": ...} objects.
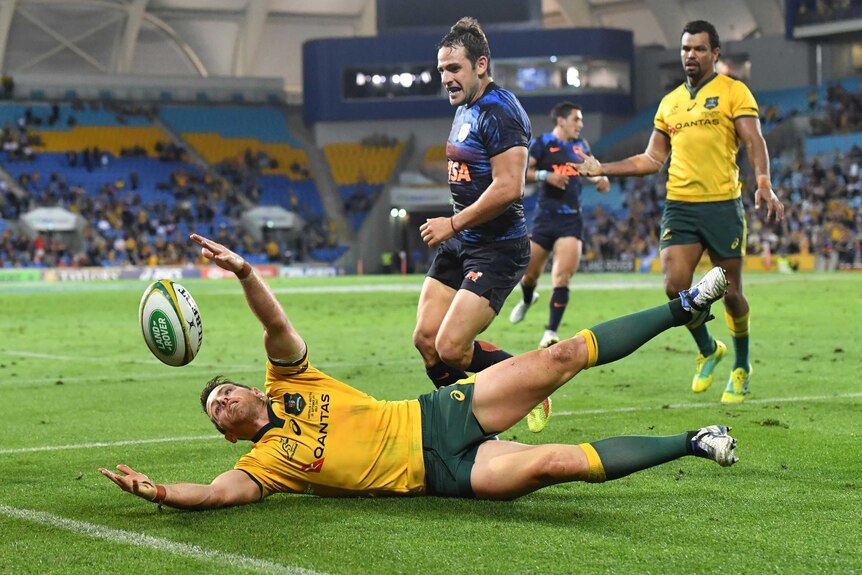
[{"x": 263, "y": 38}]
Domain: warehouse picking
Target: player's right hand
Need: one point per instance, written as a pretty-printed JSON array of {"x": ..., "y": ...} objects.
[{"x": 590, "y": 167}]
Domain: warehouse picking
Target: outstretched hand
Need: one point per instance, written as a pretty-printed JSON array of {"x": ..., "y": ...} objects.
[
  {"x": 590, "y": 167},
  {"x": 218, "y": 254},
  {"x": 132, "y": 482}
]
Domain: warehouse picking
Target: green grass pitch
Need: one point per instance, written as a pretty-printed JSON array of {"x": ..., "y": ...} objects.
[{"x": 80, "y": 390}]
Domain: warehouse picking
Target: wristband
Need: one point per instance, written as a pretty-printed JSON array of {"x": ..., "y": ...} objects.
[
  {"x": 244, "y": 271},
  {"x": 541, "y": 175},
  {"x": 161, "y": 493},
  {"x": 452, "y": 223}
]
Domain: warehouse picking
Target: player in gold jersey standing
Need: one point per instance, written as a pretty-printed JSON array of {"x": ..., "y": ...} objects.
[{"x": 703, "y": 122}]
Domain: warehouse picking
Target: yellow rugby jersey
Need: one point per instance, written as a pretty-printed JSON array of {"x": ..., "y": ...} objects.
[
  {"x": 327, "y": 438},
  {"x": 703, "y": 138}
]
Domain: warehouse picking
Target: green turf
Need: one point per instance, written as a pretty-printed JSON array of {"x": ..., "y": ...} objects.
[{"x": 74, "y": 371}]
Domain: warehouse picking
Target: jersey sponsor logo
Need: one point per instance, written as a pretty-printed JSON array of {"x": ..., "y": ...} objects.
[
  {"x": 553, "y": 149},
  {"x": 294, "y": 426},
  {"x": 457, "y": 395},
  {"x": 690, "y": 108},
  {"x": 463, "y": 132},
  {"x": 666, "y": 234},
  {"x": 323, "y": 427},
  {"x": 565, "y": 169},
  {"x": 313, "y": 467},
  {"x": 702, "y": 122},
  {"x": 459, "y": 172},
  {"x": 289, "y": 448},
  {"x": 711, "y": 103},
  {"x": 294, "y": 403},
  {"x": 473, "y": 276}
]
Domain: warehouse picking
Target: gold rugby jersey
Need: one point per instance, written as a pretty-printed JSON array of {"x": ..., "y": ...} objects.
[
  {"x": 327, "y": 438},
  {"x": 703, "y": 138}
]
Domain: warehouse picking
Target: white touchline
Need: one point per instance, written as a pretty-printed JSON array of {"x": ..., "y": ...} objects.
[
  {"x": 556, "y": 413},
  {"x": 157, "y": 543},
  {"x": 108, "y": 444},
  {"x": 712, "y": 404}
]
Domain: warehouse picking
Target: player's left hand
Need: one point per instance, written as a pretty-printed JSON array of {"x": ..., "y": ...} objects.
[
  {"x": 132, "y": 482},
  {"x": 773, "y": 204},
  {"x": 435, "y": 231}
]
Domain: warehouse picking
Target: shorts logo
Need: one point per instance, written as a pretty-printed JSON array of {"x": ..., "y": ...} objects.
[
  {"x": 456, "y": 395},
  {"x": 711, "y": 103},
  {"x": 463, "y": 132},
  {"x": 735, "y": 244},
  {"x": 473, "y": 276},
  {"x": 665, "y": 235}
]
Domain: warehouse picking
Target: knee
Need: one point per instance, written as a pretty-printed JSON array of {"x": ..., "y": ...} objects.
[
  {"x": 452, "y": 352},
  {"x": 423, "y": 340},
  {"x": 561, "y": 280},
  {"x": 568, "y": 355}
]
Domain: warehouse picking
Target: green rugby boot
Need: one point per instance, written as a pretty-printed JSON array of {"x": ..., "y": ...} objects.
[
  {"x": 704, "y": 372},
  {"x": 737, "y": 385}
]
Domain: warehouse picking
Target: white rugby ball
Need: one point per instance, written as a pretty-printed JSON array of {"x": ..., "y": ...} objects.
[{"x": 170, "y": 322}]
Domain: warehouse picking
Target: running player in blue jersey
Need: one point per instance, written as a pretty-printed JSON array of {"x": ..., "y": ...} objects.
[
  {"x": 483, "y": 249},
  {"x": 558, "y": 227}
]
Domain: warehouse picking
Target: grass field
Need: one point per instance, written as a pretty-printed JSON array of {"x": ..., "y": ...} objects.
[{"x": 80, "y": 390}]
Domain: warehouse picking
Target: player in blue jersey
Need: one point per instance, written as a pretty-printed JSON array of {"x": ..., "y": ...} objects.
[
  {"x": 482, "y": 249},
  {"x": 558, "y": 226}
]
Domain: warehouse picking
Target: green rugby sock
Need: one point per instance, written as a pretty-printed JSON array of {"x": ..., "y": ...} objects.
[
  {"x": 627, "y": 454},
  {"x": 704, "y": 340},
  {"x": 619, "y": 337}
]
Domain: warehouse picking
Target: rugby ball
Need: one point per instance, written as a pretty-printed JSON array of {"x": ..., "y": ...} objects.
[{"x": 170, "y": 322}]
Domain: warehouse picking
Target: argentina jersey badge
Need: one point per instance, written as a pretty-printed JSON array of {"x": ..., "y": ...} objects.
[{"x": 464, "y": 132}]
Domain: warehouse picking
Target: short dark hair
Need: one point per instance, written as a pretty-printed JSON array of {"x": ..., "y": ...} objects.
[
  {"x": 563, "y": 109},
  {"x": 699, "y": 26},
  {"x": 466, "y": 32},
  {"x": 208, "y": 389}
]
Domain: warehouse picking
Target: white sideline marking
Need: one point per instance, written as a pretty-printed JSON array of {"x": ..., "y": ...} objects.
[
  {"x": 108, "y": 444},
  {"x": 111, "y": 535},
  {"x": 557, "y": 413},
  {"x": 711, "y": 404}
]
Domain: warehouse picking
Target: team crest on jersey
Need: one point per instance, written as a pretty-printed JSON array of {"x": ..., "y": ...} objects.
[
  {"x": 463, "y": 132},
  {"x": 711, "y": 103},
  {"x": 294, "y": 403}
]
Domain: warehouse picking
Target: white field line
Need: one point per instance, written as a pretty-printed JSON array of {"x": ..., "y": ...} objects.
[
  {"x": 218, "y": 558},
  {"x": 108, "y": 444},
  {"x": 556, "y": 414}
]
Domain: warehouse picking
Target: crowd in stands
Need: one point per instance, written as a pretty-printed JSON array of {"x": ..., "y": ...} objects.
[{"x": 822, "y": 197}]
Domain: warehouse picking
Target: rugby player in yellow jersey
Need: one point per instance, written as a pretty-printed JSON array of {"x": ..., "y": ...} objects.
[
  {"x": 702, "y": 123},
  {"x": 316, "y": 435}
]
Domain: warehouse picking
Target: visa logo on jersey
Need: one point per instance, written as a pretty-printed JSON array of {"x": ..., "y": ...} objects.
[
  {"x": 458, "y": 172},
  {"x": 565, "y": 169}
]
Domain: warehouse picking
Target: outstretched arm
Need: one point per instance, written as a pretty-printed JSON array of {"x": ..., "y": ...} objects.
[
  {"x": 282, "y": 342},
  {"x": 649, "y": 162},
  {"x": 232, "y": 487}
]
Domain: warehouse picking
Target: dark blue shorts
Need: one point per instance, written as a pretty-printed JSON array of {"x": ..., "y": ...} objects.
[
  {"x": 548, "y": 229},
  {"x": 489, "y": 270}
]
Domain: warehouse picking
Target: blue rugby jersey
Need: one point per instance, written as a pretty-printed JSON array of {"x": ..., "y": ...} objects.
[
  {"x": 555, "y": 155},
  {"x": 490, "y": 126}
]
